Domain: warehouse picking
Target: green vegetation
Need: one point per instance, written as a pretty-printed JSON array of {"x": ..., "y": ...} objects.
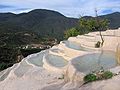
[
  {"x": 101, "y": 25},
  {"x": 97, "y": 45},
  {"x": 5, "y": 65},
  {"x": 45, "y": 23},
  {"x": 41, "y": 22},
  {"x": 26, "y": 52},
  {"x": 13, "y": 46},
  {"x": 107, "y": 75},
  {"x": 87, "y": 25},
  {"x": 8, "y": 56},
  {"x": 98, "y": 76},
  {"x": 72, "y": 32},
  {"x": 90, "y": 78},
  {"x": 93, "y": 25},
  {"x": 37, "y": 27}
]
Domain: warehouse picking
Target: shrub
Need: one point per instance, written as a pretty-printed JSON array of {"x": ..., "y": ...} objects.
[
  {"x": 71, "y": 33},
  {"x": 97, "y": 45},
  {"x": 98, "y": 76},
  {"x": 90, "y": 78},
  {"x": 4, "y": 65},
  {"x": 107, "y": 75}
]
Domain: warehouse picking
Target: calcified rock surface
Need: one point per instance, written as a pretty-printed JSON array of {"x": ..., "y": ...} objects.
[{"x": 71, "y": 59}]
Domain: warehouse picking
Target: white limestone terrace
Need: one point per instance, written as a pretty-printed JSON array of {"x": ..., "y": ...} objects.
[{"x": 73, "y": 59}]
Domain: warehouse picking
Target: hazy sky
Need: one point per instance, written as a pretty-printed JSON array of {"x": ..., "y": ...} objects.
[{"x": 71, "y": 8}]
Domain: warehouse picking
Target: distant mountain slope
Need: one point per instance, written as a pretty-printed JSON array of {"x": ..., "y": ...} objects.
[
  {"x": 45, "y": 23},
  {"x": 114, "y": 19},
  {"x": 6, "y": 16},
  {"x": 41, "y": 21}
]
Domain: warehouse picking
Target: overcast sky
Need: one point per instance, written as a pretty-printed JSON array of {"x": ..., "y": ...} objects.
[{"x": 70, "y": 8}]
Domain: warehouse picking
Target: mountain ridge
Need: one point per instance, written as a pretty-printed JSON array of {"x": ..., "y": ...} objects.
[
  {"x": 45, "y": 23},
  {"x": 38, "y": 19}
]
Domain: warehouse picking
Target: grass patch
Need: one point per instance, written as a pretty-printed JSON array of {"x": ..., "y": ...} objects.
[
  {"x": 90, "y": 78},
  {"x": 98, "y": 76}
]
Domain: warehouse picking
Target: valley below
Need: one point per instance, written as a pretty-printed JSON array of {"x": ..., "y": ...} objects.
[{"x": 64, "y": 66}]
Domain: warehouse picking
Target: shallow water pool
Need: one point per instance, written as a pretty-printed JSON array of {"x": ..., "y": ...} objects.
[
  {"x": 76, "y": 46},
  {"x": 37, "y": 60},
  {"x": 57, "y": 61},
  {"x": 96, "y": 61}
]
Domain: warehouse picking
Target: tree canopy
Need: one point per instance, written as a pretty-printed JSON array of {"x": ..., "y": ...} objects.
[
  {"x": 71, "y": 32},
  {"x": 87, "y": 25}
]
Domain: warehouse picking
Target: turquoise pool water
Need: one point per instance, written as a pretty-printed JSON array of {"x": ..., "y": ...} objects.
[
  {"x": 96, "y": 61},
  {"x": 57, "y": 61},
  {"x": 76, "y": 46}
]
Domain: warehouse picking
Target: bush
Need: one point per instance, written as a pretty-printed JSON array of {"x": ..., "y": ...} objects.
[
  {"x": 90, "y": 78},
  {"x": 71, "y": 33},
  {"x": 107, "y": 75},
  {"x": 26, "y": 52},
  {"x": 98, "y": 76},
  {"x": 5, "y": 65},
  {"x": 97, "y": 45}
]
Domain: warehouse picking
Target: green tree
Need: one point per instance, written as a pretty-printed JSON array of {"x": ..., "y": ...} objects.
[
  {"x": 102, "y": 24},
  {"x": 83, "y": 25},
  {"x": 71, "y": 32},
  {"x": 93, "y": 24},
  {"x": 86, "y": 25}
]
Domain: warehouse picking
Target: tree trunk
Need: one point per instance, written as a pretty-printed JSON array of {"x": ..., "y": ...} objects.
[{"x": 101, "y": 38}]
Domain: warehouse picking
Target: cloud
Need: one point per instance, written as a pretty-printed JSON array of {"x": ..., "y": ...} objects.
[
  {"x": 71, "y": 8},
  {"x": 5, "y": 6},
  {"x": 22, "y": 9}
]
